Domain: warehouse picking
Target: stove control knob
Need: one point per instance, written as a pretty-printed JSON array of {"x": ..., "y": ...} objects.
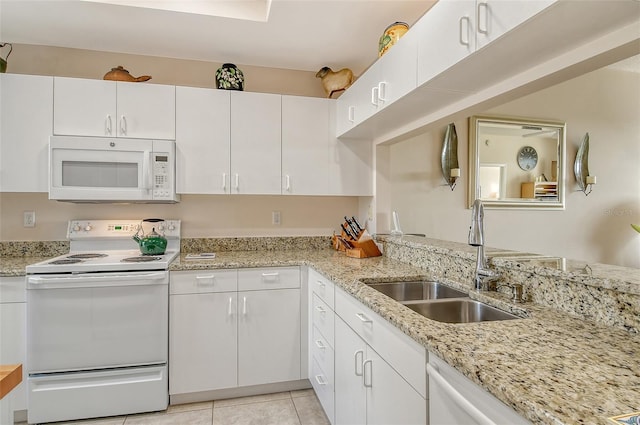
[
  {"x": 76, "y": 228},
  {"x": 161, "y": 227},
  {"x": 88, "y": 227},
  {"x": 172, "y": 227}
]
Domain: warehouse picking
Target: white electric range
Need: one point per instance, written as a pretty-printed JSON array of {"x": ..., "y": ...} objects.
[{"x": 97, "y": 324}]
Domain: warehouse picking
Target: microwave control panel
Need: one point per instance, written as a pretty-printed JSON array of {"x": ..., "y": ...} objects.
[{"x": 161, "y": 176}]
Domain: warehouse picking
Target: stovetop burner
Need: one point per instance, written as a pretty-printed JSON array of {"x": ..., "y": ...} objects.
[
  {"x": 87, "y": 256},
  {"x": 66, "y": 261},
  {"x": 140, "y": 259}
]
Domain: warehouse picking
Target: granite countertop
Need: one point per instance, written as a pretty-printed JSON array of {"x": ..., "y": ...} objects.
[{"x": 550, "y": 367}]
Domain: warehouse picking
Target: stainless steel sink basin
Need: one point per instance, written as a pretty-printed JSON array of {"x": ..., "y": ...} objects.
[
  {"x": 417, "y": 290},
  {"x": 460, "y": 311}
]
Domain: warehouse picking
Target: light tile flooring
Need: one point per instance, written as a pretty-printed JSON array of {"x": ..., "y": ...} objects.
[{"x": 286, "y": 408}]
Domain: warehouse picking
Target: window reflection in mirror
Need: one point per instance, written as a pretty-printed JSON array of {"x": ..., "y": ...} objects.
[{"x": 516, "y": 163}]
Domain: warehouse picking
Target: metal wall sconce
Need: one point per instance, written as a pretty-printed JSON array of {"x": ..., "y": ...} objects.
[
  {"x": 449, "y": 157},
  {"x": 581, "y": 167}
]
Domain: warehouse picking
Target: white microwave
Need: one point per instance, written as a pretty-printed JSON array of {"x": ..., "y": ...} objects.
[{"x": 102, "y": 169}]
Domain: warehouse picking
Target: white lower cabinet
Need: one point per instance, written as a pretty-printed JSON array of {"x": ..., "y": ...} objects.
[
  {"x": 376, "y": 374},
  {"x": 13, "y": 342},
  {"x": 268, "y": 336},
  {"x": 367, "y": 389},
  {"x": 322, "y": 341},
  {"x": 455, "y": 399},
  {"x": 233, "y": 328}
]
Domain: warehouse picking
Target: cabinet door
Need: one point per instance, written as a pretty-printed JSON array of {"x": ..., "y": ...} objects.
[
  {"x": 13, "y": 335},
  {"x": 268, "y": 336},
  {"x": 399, "y": 70},
  {"x": 390, "y": 399},
  {"x": 446, "y": 35},
  {"x": 202, "y": 342},
  {"x": 350, "y": 392},
  {"x": 350, "y": 165},
  {"x": 146, "y": 111},
  {"x": 359, "y": 102},
  {"x": 494, "y": 18},
  {"x": 84, "y": 107},
  {"x": 202, "y": 140},
  {"x": 26, "y": 108},
  {"x": 305, "y": 145},
  {"x": 255, "y": 143}
]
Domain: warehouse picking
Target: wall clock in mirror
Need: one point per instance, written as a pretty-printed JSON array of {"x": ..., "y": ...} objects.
[{"x": 527, "y": 158}]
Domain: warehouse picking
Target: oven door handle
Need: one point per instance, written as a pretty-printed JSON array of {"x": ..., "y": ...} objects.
[{"x": 93, "y": 281}]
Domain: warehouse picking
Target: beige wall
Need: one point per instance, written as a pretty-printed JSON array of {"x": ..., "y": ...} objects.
[
  {"x": 64, "y": 62},
  {"x": 203, "y": 216},
  {"x": 594, "y": 228}
]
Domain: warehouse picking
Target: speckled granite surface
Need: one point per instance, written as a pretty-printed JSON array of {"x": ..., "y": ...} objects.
[
  {"x": 607, "y": 294},
  {"x": 254, "y": 243},
  {"x": 549, "y": 366}
]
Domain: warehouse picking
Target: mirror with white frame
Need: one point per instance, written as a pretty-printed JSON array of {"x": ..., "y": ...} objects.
[{"x": 516, "y": 162}]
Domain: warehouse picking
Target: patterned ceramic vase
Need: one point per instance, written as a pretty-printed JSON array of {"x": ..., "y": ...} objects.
[
  {"x": 229, "y": 77},
  {"x": 391, "y": 36}
]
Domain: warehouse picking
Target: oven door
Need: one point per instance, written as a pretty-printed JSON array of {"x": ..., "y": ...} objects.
[
  {"x": 92, "y": 321},
  {"x": 96, "y": 168}
]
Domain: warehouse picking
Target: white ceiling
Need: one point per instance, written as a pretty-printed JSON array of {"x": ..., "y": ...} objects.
[{"x": 299, "y": 34}]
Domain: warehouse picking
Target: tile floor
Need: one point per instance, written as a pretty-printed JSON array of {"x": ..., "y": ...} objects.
[{"x": 286, "y": 408}]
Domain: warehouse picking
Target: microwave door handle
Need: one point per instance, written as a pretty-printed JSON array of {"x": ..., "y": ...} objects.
[{"x": 148, "y": 171}]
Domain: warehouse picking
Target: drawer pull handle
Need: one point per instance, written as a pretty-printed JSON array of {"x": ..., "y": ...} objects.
[
  {"x": 358, "y": 363},
  {"x": 464, "y": 25},
  {"x": 320, "y": 345},
  {"x": 320, "y": 283},
  {"x": 270, "y": 276},
  {"x": 230, "y": 312},
  {"x": 363, "y": 318},
  {"x": 320, "y": 380},
  {"x": 321, "y": 309},
  {"x": 364, "y": 377},
  {"x": 206, "y": 279},
  {"x": 244, "y": 306}
]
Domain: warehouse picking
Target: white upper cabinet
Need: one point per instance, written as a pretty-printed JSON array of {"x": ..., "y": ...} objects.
[
  {"x": 350, "y": 164},
  {"x": 84, "y": 107},
  {"x": 203, "y": 140},
  {"x": 398, "y": 71},
  {"x": 495, "y": 18},
  {"x": 305, "y": 145},
  {"x": 26, "y": 103},
  {"x": 446, "y": 35},
  {"x": 452, "y": 30},
  {"x": 386, "y": 81},
  {"x": 255, "y": 143}
]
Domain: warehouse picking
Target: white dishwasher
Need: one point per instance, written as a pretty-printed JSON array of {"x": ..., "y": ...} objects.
[{"x": 455, "y": 399}]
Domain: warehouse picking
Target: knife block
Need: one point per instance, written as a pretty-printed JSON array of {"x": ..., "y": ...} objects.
[{"x": 363, "y": 247}]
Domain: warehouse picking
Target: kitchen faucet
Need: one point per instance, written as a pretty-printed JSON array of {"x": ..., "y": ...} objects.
[{"x": 482, "y": 275}]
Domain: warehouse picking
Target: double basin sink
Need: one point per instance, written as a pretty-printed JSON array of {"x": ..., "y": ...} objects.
[{"x": 436, "y": 301}]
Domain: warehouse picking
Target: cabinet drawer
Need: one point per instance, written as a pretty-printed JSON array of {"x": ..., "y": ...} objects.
[
  {"x": 268, "y": 278},
  {"x": 13, "y": 289},
  {"x": 324, "y": 390},
  {"x": 322, "y": 287},
  {"x": 323, "y": 318},
  {"x": 203, "y": 281},
  {"x": 322, "y": 353},
  {"x": 404, "y": 354}
]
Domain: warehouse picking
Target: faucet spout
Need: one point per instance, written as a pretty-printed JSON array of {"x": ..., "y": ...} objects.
[{"x": 483, "y": 275}]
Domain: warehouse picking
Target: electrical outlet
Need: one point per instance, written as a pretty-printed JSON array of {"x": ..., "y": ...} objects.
[
  {"x": 29, "y": 219},
  {"x": 275, "y": 218}
]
